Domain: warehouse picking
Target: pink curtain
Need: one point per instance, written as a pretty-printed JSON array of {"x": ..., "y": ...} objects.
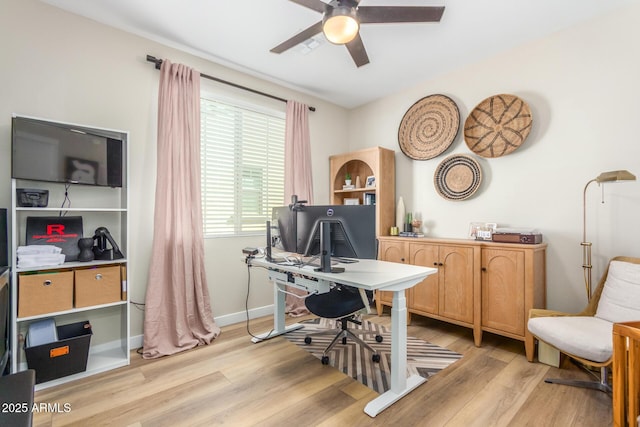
[
  {"x": 297, "y": 176},
  {"x": 178, "y": 312}
]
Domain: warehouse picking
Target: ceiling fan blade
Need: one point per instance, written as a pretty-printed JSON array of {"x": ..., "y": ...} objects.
[
  {"x": 383, "y": 14},
  {"x": 298, "y": 38},
  {"x": 357, "y": 51},
  {"x": 317, "y": 5}
]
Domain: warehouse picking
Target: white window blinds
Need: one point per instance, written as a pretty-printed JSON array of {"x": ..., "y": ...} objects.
[{"x": 242, "y": 167}]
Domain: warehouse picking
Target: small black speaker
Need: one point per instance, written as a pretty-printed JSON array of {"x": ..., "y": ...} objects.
[{"x": 4, "y": 242}]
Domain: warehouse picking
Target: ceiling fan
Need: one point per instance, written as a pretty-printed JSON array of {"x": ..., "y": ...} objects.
[{"x": 341, "y": 21}]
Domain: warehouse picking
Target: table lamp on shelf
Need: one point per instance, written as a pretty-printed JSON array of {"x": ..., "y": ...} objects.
[{"x": 613, "y": 176}]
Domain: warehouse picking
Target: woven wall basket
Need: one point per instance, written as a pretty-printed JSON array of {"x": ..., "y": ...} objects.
[
  {"x": 429, "y": 127},
  {"x": 457, "y": 177},
  {"x": 498, "y": 126}
]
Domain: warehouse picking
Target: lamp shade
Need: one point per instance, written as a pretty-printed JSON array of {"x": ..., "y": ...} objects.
[
  {"x": 621, "y": 175},
  {"x": 340, "y": 25}
]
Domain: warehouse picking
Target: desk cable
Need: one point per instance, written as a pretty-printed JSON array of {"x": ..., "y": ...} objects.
[{"x": 246, "y": 301}]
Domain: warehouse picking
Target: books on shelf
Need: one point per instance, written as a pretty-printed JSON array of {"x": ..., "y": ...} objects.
[
  {"x": 410, "y": 234},
  {"x": 349, "y": 187},
  {"x": 369, "y": 199}
]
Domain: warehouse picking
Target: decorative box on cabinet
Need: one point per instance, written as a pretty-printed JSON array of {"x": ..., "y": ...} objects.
[
  {"x": 378, "y": 162},
  {"x": 485, "y": 286}
]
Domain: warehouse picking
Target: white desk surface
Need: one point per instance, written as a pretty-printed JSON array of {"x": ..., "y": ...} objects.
[{"x": 368, "y": 274}]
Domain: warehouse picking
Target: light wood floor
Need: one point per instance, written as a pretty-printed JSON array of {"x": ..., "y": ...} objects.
[{"x": 275, "y": 383}]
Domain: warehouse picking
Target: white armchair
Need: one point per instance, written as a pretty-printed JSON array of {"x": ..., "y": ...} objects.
[{"x": 588, "y": 336}]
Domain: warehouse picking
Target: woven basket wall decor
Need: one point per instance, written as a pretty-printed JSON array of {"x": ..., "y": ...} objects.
[
  {"x": 457, "y": 177},
  {"x": 429, "y": 127},
  {"x": 498, "y": 126}
]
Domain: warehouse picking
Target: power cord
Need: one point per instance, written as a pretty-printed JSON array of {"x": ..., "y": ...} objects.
[
  {"x": 66, "y": 200},
  {"x": 246, "y": 302},
  {"x": 139, "y": 306}
]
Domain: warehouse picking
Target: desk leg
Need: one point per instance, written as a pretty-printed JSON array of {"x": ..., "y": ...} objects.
[
  {"x": 279, "y": 326},
  {"x": 400, "y": 384}
]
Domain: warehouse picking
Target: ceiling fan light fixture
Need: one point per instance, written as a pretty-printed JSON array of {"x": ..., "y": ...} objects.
[{"x": 340, "y": 25}]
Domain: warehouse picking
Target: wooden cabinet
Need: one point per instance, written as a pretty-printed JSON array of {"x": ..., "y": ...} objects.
[
  {"x": 448, "y": 294},
  {"x": 394, "y": 251},
  {"x": 455, "y": 277},
  {"x": 424, "y": 297},
  {"x": 485, "y": 286},
  {"x": 513, "y": 282},
  {"x": 375, "y": 162}
]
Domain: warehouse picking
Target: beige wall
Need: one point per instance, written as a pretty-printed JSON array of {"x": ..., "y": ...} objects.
[
  {"x": 582, "y": 85},
  {"x": 63, "y": 67}
]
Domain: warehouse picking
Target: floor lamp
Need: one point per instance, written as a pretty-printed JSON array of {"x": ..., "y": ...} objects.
[{"x": 613, "y": 176}]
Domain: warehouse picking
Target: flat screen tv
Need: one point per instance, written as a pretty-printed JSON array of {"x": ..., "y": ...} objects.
[{"x": 59, "y": 152}]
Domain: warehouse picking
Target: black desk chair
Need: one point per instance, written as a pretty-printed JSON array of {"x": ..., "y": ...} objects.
[{"x": 342, "y": 303}]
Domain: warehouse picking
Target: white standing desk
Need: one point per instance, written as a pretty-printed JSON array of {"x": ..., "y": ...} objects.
[{"x": 369, "y": 275}]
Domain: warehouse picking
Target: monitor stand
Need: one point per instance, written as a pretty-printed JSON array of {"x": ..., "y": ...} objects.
[{"x": 325, "y": 250}]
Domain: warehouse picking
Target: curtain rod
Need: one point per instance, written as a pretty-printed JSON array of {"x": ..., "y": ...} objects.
[{"x": 158, "y": 63}]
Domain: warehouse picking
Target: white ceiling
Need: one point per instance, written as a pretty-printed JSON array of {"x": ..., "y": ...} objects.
[{"x": 239, "y": 34}]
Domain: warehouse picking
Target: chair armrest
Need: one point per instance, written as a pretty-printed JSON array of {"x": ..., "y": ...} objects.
[{"x": 540, "y": 312}]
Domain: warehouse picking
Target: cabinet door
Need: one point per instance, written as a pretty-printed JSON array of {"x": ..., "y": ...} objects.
[
  {"x": 455, "y": 267},
  {"x": 393, "y": 252},
  {"x": 503, "y": 290},
  {"x": 424, "y": 296}
]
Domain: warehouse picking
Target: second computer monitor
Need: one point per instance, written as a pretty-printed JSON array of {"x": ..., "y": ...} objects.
[{"x": 353, "y": 230}]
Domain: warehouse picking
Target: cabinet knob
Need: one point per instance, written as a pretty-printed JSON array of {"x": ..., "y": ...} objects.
[
  {"x": 402, "y": 259},
  {"x": 98, "y": 276},
  {"x": 47, "y": 283},
  {"x": 440, "y": 264},
  {"x": 435, "y": 264},
  {"x": 484, "y": 269}
]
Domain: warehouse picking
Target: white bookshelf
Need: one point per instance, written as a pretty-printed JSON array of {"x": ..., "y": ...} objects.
[{"x": 99, "y": 206}]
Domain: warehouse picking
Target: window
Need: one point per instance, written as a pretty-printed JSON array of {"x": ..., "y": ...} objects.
[{"x": 242, "y": 153}]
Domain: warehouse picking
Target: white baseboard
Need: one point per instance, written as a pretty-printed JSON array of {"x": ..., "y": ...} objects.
[{"x": 225, "y": 320}]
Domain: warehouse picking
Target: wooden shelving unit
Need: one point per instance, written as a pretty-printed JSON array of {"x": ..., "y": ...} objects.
[{"x": 378, "y": 162}]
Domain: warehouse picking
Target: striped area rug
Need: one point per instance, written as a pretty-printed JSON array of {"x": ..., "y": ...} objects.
[{"x": 423, "y": 358}]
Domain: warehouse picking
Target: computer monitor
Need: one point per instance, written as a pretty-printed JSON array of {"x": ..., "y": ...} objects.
[
  {"x": 284, "y": 229},
  {"x": 352, "y": 230}
]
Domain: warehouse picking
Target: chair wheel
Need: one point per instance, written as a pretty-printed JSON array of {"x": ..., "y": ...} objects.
[
  {"x": 378, "y": 338},
  {"x": 344, "y": 340},
  {"x": 307, "y": 340},
  {"x": 325, "y": 360},
  {"x": 376, "y": 358}
]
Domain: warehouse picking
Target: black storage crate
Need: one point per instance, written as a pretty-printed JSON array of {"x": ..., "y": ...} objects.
[{"x": 64, "y": 357}]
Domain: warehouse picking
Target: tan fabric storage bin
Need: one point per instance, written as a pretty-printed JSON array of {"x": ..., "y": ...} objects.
[
  {"x": 46, "y": 292},
  {"x": 99, "y": 285}
]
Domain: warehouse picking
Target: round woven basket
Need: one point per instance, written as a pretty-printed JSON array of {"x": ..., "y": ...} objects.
[
  {"x": 429, "y": 127},
  {"x": 498, "y": 126},
  {"x": 457, "y": 177}
]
